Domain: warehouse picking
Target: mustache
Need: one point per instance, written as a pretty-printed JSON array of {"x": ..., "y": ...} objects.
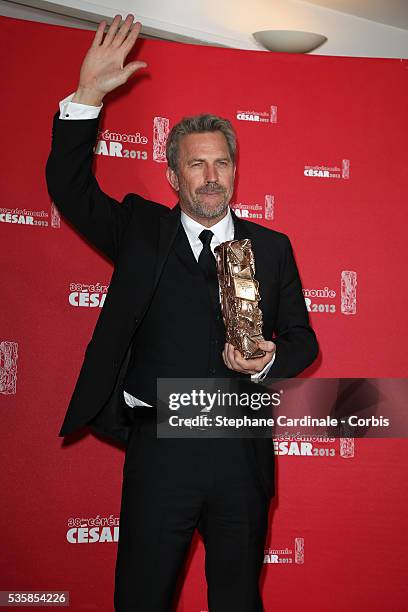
[{"x": 211, "y": 188}]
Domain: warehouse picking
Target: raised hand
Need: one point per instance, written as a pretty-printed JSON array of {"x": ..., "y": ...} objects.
[{"x": 103, "y": 67}]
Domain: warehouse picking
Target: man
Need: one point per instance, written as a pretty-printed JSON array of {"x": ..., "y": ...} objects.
[{"x": 159, "y": 321}]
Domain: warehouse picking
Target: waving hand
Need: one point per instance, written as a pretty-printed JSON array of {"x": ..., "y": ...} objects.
[{"x": 103, "y": 68}]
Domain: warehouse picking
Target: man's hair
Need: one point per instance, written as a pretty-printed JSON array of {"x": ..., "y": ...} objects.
[{"x": 198, "y": 124}]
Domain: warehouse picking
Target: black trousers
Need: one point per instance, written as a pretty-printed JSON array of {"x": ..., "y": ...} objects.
[{"x": 172, "y": 486}]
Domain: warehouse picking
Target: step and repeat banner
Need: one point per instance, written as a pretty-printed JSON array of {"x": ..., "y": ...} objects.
[{"x": 322, "y": 158}]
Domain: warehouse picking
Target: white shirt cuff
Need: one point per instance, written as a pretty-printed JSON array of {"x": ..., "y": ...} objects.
[
  {"x": 74, "y": 110},
  {"x": 261, "y": 375},
  {"x": 134, "y": 401}
]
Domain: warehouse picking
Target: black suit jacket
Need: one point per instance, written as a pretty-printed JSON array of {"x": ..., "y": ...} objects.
[{"x": 137, "y": 235}]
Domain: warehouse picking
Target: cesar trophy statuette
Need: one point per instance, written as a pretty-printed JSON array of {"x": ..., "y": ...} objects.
[{"x": 240, "y": 296}]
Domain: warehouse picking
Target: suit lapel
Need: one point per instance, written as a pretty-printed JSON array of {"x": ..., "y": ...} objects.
[
  {"x": 240, "y": 228},
  {"x": 168, "y": 226},
  {"x": 184, "y": 252}
]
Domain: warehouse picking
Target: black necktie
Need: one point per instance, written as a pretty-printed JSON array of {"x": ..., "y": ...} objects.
[{"x": 207, "y": 263}]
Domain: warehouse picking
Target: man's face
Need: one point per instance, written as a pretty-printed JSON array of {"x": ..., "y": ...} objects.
[{"x": 205, "y": 176}]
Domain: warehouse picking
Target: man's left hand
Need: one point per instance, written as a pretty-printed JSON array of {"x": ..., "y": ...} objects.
[{"x": 234, "y": 360}]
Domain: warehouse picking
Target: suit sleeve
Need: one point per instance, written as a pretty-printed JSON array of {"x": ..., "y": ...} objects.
[
  {"x": 296, "y": 344},
  {"x": 75, "y": 191}
]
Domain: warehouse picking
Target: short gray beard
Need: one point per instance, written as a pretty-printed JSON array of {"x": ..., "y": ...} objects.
[{"x": 199, "y": 208}]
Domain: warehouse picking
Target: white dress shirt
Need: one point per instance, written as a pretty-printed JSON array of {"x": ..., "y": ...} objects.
[{"x": 223, "y": 230}]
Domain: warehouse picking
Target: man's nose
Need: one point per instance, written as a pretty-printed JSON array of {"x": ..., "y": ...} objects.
[{"x": 211, "y": 175}]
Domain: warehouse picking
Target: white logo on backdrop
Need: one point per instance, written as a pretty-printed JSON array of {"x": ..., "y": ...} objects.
[
  {"x": 256, "y": 210},
  {"x": 287, "y": 555},
  {"x": 35, "y": 218},
  {"x": 55, "y": 217},
  {"x": 349, "y": 292},
  {"x": 22, "y": 216},
  {"x": 269, "y": 207},
  {"x": 90, "y": 530},
  {"x": 87, "y": 295},
  {"x": 321, "y": 300},
  {"x": 8, "y": 367},
  {"x": 313, "y": 297},
  {"x": 346, "y": 448},
  {"x": 299, "y": 550},
  {"x": 300, "y": 445},
  {"x": 254, "y": 116},
  {"x": 161, "y": 128},
  {"x": 345, "y": 169},
  {"x": 330, "y": 172},
  {"x": 117, "y": 144}
]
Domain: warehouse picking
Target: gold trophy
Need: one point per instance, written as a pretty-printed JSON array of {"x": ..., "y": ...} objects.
[{"x": 240, "y": 296}]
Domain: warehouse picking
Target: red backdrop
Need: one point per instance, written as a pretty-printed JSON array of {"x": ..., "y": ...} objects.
[{"x": 323, "y": 158}]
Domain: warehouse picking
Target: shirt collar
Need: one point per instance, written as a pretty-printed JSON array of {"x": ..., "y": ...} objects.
[{"x": 223, "y": 230}]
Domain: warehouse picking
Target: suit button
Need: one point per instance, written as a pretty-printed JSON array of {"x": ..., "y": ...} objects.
[{"x": 212, "y": 371}]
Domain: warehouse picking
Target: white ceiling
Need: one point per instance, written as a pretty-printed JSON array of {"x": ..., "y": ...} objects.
[
  {"x": 388, "y": 12},
  {"x": 357, "y": 28}
]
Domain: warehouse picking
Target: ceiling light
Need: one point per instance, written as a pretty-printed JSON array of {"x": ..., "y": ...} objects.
[{"x": 289, "y": 41}]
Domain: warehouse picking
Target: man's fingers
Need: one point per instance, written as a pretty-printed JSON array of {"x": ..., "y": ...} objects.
[
  {"x": 131, "y": 37},
  {"x": 235, "y": 361},
  {"x": 228, "y": 354},
  {"x": 235, "y": 357},
  {"x": 246, "y": 366},
  {"x": 225, "y": 358},
  {"x": 240, "y": 363},
  {"x": 99, "y": 34},
  {"x": 231, "y": 353},
  {"x": 112, "y": 31},
  {"x": 123, "y": 31},
  {"x": 267, "y": 345},
  {"x": 130, "y": 68}
]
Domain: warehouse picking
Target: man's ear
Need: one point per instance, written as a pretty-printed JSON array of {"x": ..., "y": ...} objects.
[{"x": 172, "y": 178}]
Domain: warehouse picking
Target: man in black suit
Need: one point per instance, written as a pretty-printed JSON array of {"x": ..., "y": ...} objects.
[{"x": 159, "y": 321}]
